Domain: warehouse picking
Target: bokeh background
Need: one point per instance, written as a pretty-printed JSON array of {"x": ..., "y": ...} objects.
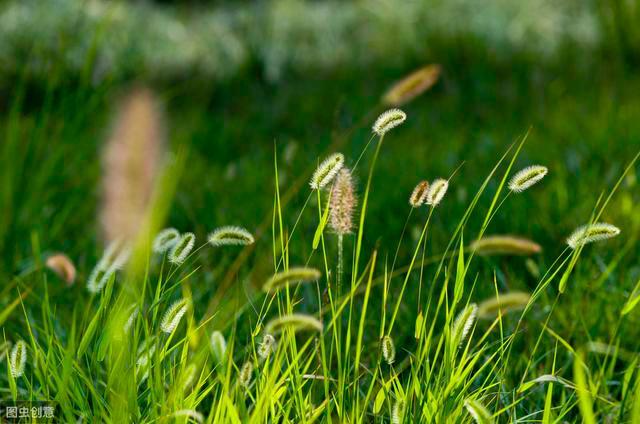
[{"x": 241, "y": 80}]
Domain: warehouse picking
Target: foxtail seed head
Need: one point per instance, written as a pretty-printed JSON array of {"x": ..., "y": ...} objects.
[
  {"x": 18, "y": 359},
  {"x": 187, "y": 376},
  {"x": 99, "y": 278},
  {"x": 297, "y": 322},
  {"x": 419, "y": 194},
  {"x": 218, "y": 347},
  {"x": 388, "y": 120},
  {"x": 527, "y": 177},
  {"x": 190, "y": 413},
  {"x": 182, "y": 248},
  {"x": 463, "y": 324},
  {"x": 291, "y": 276},
  {"x": 165, "y": 240},
  {"x": 267, "y": 346},
  {"x": 246, "y": 374},
  {"x": 116, "y": 255},
  {"x": 146, "y": 350},
  {"x": 437, "y": 191},
  {"x": 592, "y": 232},
  {"x": 478, "y": 411},
  {"x": 342, "y": 203},
  {"x": 388, "y": 350},
  {"x": 229, "y": 236},
  {"x": 412, "y": 85},
  {"x": 63, "y": 267},
  {"x": 133, "y": 311},
  {"x": 132, "y": 160},
  {"x": 397, "y": 412},
  {"x": 174, "y": 314},
  {"x": 5, "y": 348},
  {"x": 326, "y": 171},
  {"x": 505, "y": 245},
  {"x": 502, "y": 304}
]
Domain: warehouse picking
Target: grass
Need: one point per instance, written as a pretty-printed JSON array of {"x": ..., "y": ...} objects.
[{"x": 569, "y": 355}]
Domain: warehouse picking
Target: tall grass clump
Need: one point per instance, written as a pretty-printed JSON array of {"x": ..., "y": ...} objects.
[{"x": 447, "y": 324}]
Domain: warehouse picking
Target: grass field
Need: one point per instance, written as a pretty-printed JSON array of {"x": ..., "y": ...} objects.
[{"x": 400, "y": 338}]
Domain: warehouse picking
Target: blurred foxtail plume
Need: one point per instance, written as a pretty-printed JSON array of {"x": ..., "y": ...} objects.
[
  {"x": 132, "y": 161},
  {"x": 413, "y": 85}
]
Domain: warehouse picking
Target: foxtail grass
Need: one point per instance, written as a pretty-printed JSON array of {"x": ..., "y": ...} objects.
[
  {"x": 295, "y": 322},
  {"x": 388, "y": 120},
  {"x": 181, "y": 249},
  {"x": 527, "y": 177},
  {"x": 18, "y": 359},
  {"x": 591, "y": 233},
  {"x": 62, "y": 265},
  {"x": 230, "y": 236},
  {"x": 436, "y": 192},
  {"x": 293, "y": 275},
  {"x": 505, "y": 245},
  {"x": 173, "y": 316},
  {"x": 411, "y": 86},
  {"x": 326, "y": 171}
]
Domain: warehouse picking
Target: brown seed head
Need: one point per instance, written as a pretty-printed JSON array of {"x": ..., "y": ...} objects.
[
  {"x": 132, "y": 160},
  {"x": 419, "y": 194},
  {"x": 342, "y": 203},
  {"x": 62, "y": 265},
  {"x": 412, "y": 85}
]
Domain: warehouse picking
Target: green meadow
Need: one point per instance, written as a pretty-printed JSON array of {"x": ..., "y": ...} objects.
[{"x": 325, "y": 295}]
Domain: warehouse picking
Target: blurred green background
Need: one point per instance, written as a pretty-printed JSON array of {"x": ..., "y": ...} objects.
[{"x": 238, "y": 78}]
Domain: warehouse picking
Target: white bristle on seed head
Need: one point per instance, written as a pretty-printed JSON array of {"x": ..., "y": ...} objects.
[
  {"x": 388, "y": 120},
  {"x": 419, "y": 194},
  {"x": 18, "y": 359},
  {"x": 293, "y": 275},
  {"x": 592, "y": 232},
  {"x": 230, "y": 235},
  {"x": 143, "y": 361},
  {"x": 246, "y": 373},
  {"x": 218, "y": 346},
  {"x": 179, "y": 252},
  {"x": 342, "y": 203},
  {"x": 437, "y": 191},
  {"x": 527, "y": 177},
  {"x": 388, "y": 350},
  {"x": 190, "y": 413},
  {"x": 267, "y": 346},
  {"x": 463, "y": 323},
  {"x": 173, "y": 316},
  {"x": 188, "y": 375},
  {"x": 133, "y": 311},
  {"x": 503, "y": 304},
  {"x": 99, "y": 278},
  {"x": 326, "y": 171},
  {"x": 397, "y": 412},
  {"x": 116, "y": 255},
  {"x": 478, "y": 411},
  {"x": 147, "y": 346},
  {"x": 296, "y": 322},
  {"x": 165, "y": 240}
]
